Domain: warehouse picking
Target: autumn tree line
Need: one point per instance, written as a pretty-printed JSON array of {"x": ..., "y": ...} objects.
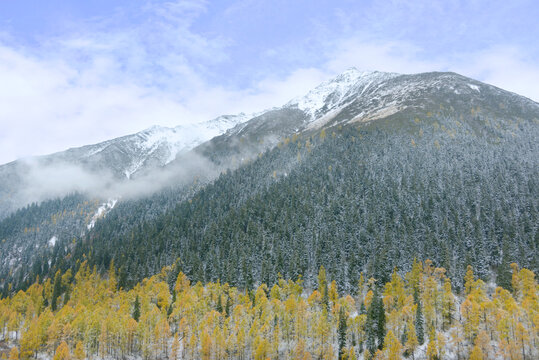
[{"x": 418, "y": 316}]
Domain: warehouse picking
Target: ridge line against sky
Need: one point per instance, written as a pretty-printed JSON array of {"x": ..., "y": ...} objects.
[{"x": 76, "y": 73}]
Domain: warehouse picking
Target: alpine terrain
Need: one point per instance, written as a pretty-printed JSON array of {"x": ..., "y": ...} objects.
[{"x": 379, "y": 215}]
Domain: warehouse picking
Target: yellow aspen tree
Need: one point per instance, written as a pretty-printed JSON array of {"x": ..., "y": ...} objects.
[
  {"x": 483, "y": 341},
  {"x": 411, "y": 342},
  {"x": 378, "y": 355},
  {"x": 14, "y": 353},
  {"x": 515, "y": 281},
  {"x": 447, "y": 305},
  {"x": 30, "y": 340},
  {"x": 470, "y": 313},
  {"x": 468, "y": 280},
  {"x": 361, "y": 288},
  {"x": 440, "y": 345},
  {"x": 62, "y": 352},
  {"x": 261, "y": 348},
  {"x": 457, "y": 340},
  {"x": 182, "y": 283},
  {"x": 161, "y": 336},
  {"x": 392, "y": 347},
  {"x": 174, "y": 348},
  {"x": 522, "y": 338},
  {"x": 206, "y": 343},
  {"x": 476, "y": 353},
  {"x": 333, "y": 294},
  {"x": 368, "y": 299},
  {"x": 429, "y": 300},
  {"x": 299, "y": 352},
  {"x": 414, "y": 276},
  {"x": 79, "y": 351},
  {"x": 432, "y": 352}
]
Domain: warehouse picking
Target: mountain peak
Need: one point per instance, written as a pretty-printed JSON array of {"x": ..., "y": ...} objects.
[{"x": 333, "y": 93}]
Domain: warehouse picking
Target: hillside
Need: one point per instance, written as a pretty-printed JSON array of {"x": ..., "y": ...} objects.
[{"x": 364, "y": 173}]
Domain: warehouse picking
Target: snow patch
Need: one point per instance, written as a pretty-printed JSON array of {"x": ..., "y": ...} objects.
[
  {"x": 52, "y": 241},
  {"x": 474, "y": 87},
  {"x": 102, "y": 211}
]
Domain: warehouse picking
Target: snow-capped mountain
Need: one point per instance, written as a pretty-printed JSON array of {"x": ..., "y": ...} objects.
[
  {"x": 93, "y": 167},
  {"x": 353, "y": 96},
  {"x": 160, "y": 145},
  {"x": 359, "y": 97}
]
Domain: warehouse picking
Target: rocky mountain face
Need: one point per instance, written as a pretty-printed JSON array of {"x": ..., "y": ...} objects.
[{"x": 380, "y": 159}]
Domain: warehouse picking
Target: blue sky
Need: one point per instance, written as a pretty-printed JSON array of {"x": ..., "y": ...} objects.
[{"x": 78, "y": 72}]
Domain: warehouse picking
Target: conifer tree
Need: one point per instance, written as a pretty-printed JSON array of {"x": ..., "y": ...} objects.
[
  {"x": 57, "y": 290},
  {"x": 381, "y": 321},
  {"x": 419, "y": 320},
  {"x": 503, "y": 273},
  {"x": 136, "y": 309},
  {"x": 342, "y": 332}
]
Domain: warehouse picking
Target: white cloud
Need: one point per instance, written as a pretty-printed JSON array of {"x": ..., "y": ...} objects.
[
  {"x": 504, "y": 66},
  {"x": 507, "y": 67}
]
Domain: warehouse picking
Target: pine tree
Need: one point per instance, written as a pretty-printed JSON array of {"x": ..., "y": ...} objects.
[
  {"x": 57, "y": 290},
  {"x": 370, "y": 329},
  {"x": 381, "y": 322},
  {"x": 227, "y": 306},
  {"x": 503, "y": 273},
  {"x": 136, "y": 309},
  {"x": 219, "y": 306},
  {"x": 375, "y": 326},
  {"x": 342, "y": 332},
  {"x": 419, "y": 320}
]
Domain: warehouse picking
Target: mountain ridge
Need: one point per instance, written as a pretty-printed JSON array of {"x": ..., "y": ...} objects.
[{"x": 352, "y": 96}]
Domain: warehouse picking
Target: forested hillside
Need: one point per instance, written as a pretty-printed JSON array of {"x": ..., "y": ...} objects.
[
  {"x": 362, "y": 174},
  {"x": 460, "y": 189},
  {"x": 355, "y": 200},
  {"x": 167, "y": 317}
]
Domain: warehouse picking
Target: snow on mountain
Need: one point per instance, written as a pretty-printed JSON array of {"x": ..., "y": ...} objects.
[
  {"x": 101, "y": 212},
  {"x": 160, "y": 145},
  {"x": 333, "y": 93},
  {"x": 353, "y": 96}
]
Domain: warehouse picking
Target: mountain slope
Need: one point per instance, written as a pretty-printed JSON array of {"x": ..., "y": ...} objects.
[
  {"x": 353, "y": 96},
  {"x": 102, "y": 168},
  {"x": 384, "y": 168}
]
